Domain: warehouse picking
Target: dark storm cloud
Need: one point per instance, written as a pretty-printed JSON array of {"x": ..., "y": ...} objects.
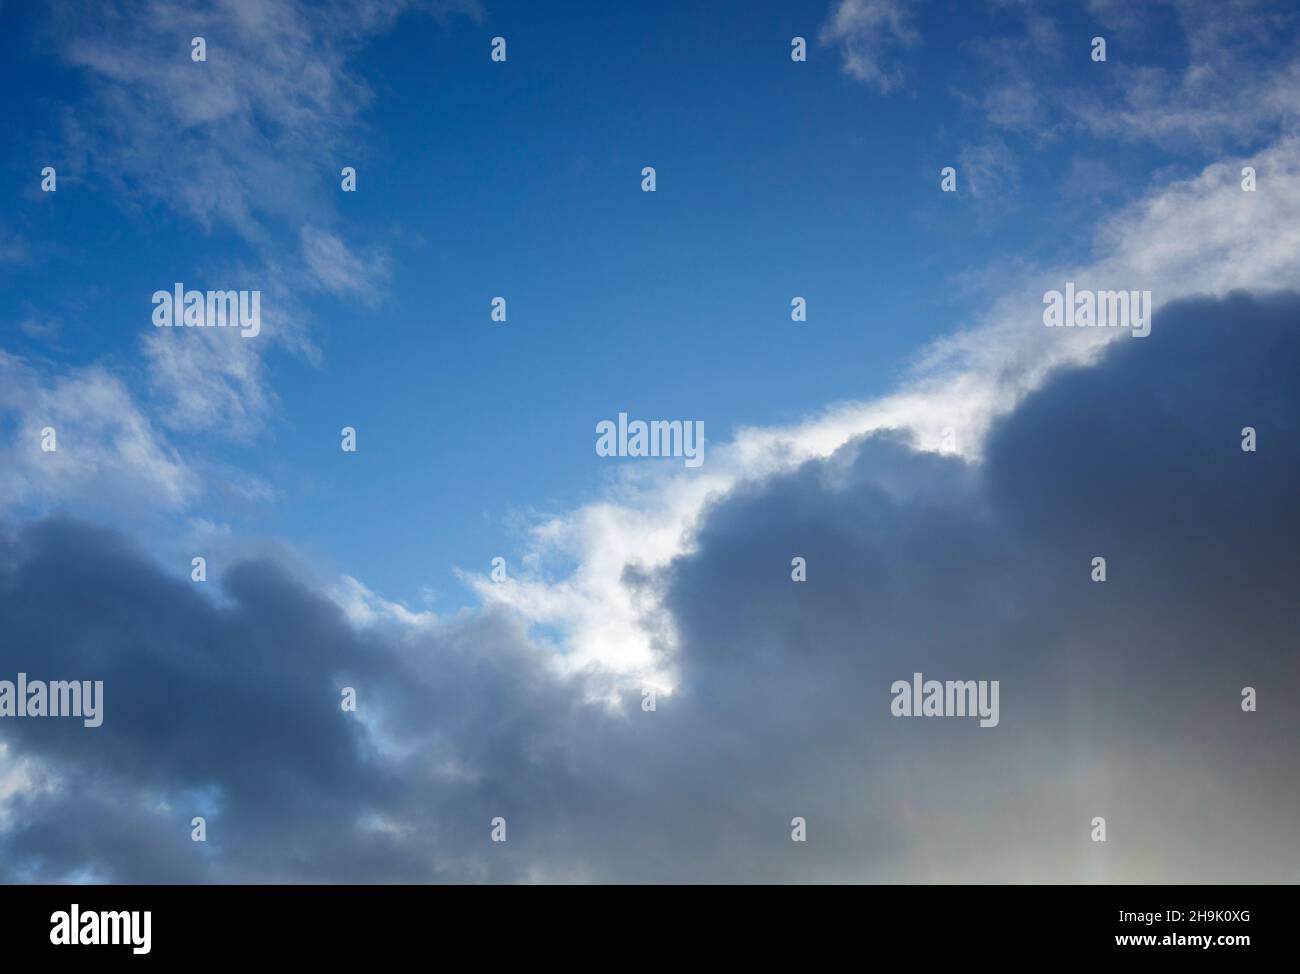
[
  {"x": 197, "y": 696},
  {"x": 1119, "y": 699}
]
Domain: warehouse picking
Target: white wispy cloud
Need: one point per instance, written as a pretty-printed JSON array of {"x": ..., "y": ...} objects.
[
  {"x": 867, "y": 33},
  {"x": 989, "y": 170},
  {"x": 336, "y": 269},
  {"x": 13, "y": 249},
  {"x": 248, "y": 141},
  {"x": 208, "y": 379},
  {"x": 108, "y": 452},
  {"x": 1229, "y": 89},
  {"x": 364, "y": 607}
]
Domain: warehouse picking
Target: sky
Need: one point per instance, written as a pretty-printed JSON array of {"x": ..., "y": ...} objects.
[{"x": 947, "y": 467}]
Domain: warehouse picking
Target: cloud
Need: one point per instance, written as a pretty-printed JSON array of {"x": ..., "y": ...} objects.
[
  {"x": 990, "y": 171},
  {"x": 14, "y": 250},
  {"x": 530, "y": 708},
  {"x": 1200, "y": 235},
  {"x": 337, "y": 270},
  {"x": 247, "y": 141},
  {"x": 1238, "y": 84},
  {"x": 1118, "y": 699},
  {"x": 364, "y": 607},
  {"x": 230, "y": 709},
  {"x": 227, "y": 141},
  {"x": 208, "y": 379},
  {"x": 115, "y": 455},
  {"x": 42, "y": 328},
  {"x": 867, "y": 32},
  {"x": 109, "y": 455}
]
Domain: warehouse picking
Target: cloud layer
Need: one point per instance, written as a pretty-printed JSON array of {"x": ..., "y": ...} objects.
[{"x": 1119, "y": 699}]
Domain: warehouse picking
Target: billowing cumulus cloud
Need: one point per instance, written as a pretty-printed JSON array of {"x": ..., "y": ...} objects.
[
  {"x": 1196, "y": 236},
  {"x": 1118, "y": 699}
]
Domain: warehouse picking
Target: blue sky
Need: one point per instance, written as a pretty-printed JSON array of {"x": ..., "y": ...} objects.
[
  {"x": 916, "y": 438},
  {"x": 523, "y": 179}
]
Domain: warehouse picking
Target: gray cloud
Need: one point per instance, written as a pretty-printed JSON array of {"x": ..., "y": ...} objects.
[{"x": 1118, "y": 699}]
